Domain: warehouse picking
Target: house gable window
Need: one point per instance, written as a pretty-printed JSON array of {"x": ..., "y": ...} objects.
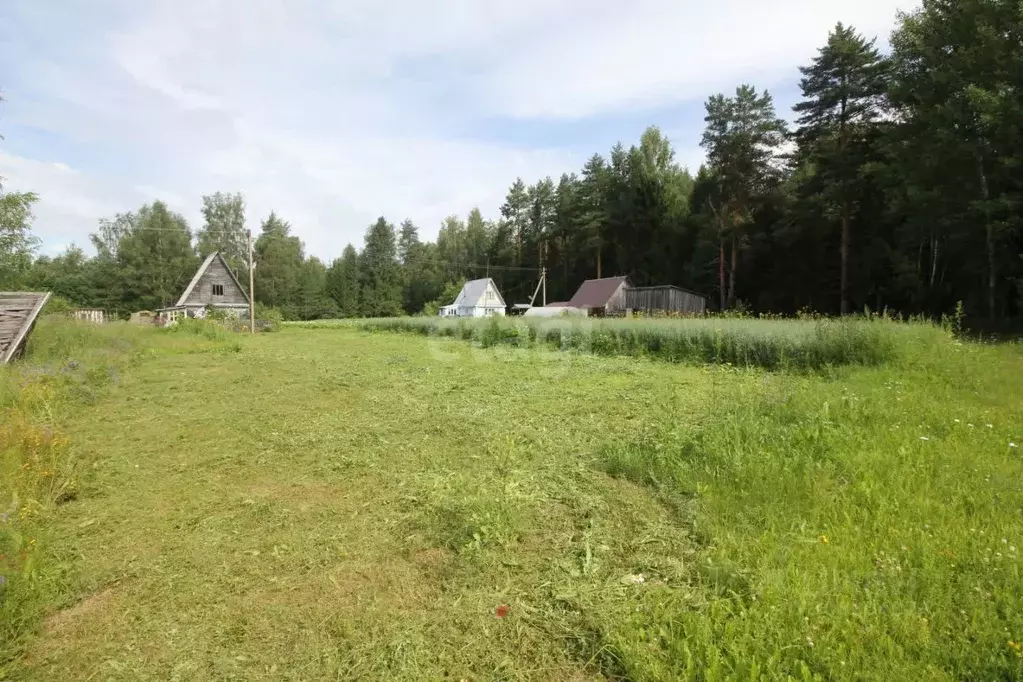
[{"x": 218, "y": 289}]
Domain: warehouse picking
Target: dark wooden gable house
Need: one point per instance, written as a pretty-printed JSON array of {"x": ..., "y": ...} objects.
[{"x": 214, "y": 286}]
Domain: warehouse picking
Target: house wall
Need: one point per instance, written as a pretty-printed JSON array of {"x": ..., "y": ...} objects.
[
  {"x": 616, "y": 304},
  {"x": 216, "y": 273},
  {"x": 480, "y": 311}
]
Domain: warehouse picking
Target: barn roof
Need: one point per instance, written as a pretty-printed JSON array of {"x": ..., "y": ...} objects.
[
  {"x": 202, "y": 271},
  {"x": 595, "y": 293},
  {"x": 472, "y": 292}
]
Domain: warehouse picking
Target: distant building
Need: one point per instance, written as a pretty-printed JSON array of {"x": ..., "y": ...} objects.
[
  {"x": 665, "y": 299},
  {"x": 601, "y": 296},
  {"x": 94, "y": 315},
  {"x": 478, "y": 298},
  {"x": 555, "y": 311},
  {"x": 213, "y": 286}
]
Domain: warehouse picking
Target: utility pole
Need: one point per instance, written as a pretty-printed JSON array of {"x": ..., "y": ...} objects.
[
  {"x": 252, "y": 291},
  {"x": 543, "y": 280}
]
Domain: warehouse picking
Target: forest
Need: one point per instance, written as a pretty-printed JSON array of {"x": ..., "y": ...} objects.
[{"x": 897, "y": 187}]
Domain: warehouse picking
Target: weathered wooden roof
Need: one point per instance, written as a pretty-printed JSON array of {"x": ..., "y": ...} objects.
[
  {"x": 18, "y": 312},
  {"x": 202, "y": 271}
]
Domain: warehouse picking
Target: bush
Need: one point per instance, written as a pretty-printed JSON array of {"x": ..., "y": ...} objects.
[
  {"x": 272, "y": 317},
  {"x": 58, "y": 305}
]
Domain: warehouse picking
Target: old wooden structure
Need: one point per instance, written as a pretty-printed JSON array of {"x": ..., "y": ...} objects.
[
  {"x": 94, "y": 315},
  {"x": 213, "y": 286},
  {"x": 666, "y": 299},
  {"x": 604, "y": 296},
  {"x": 18, "y": 313}
]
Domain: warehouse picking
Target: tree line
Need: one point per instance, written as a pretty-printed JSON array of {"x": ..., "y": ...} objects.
[{"x": 897, "y": 186}]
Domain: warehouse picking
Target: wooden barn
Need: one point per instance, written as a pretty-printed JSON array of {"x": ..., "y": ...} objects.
[
  {"x": 213, "y": 286},
  {"x": 604, "y": 296},
  {"x": 665, "y": 299}
]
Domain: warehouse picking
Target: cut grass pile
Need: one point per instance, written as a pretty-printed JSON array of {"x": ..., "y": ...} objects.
[
  {"x": 334, "y": 504},
  {"x": 773, "y": 344}
]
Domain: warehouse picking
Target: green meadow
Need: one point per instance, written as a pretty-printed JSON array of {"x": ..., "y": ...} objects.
[{"x": 511, "y": 500}]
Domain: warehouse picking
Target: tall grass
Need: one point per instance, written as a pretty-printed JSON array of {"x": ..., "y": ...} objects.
[
  {"x": 856, "y": 530},
  {"x": 772, "y": 344}
]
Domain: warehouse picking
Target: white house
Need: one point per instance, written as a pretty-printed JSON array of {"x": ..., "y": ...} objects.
[{"x": 478, "y": 298}]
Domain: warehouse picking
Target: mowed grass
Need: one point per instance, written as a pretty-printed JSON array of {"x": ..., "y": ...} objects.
[{"x": 337, "y": 504}]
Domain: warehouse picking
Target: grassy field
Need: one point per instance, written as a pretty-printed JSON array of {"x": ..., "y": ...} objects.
[{"x": 339, "y": 504}]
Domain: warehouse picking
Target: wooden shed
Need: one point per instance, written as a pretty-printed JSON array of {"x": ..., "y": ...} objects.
[
  {"x": 605, "y": 296},
  {"x": 665, "y": 299}
]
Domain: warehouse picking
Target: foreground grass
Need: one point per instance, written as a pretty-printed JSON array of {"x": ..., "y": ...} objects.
[
  {"x": 336, "y": 504},
  {"x": 797, "y": 344}
]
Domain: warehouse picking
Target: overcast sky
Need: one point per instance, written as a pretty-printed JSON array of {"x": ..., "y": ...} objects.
[{"x": 333, "y": 113}]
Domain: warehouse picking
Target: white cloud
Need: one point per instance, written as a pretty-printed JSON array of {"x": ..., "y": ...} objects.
[{"x": 334, "y": 112}]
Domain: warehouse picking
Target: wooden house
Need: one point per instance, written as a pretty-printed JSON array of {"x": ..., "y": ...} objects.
[
  {"x": 478, "y": 298},
  {"x": 604, "y": 296},
  {"x": 665, "y": 299},
  {"x": 213, "y": 286}
]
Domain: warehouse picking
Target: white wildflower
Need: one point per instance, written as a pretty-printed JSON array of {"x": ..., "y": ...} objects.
[
  {"x": 924, "y": 438},
  {"x": 970, "y": 425},
  {"x": 990, "y": 426},
  {"x": 956, "y": 421},
  {"x": 1012, "y": 445}
]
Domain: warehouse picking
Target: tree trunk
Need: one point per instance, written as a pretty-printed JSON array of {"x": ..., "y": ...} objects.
[
  {"x": 731, "y": 274},
  {"x": 844, "y": 277},
  {"x": 989, "y": 239},
  {"x": 721, "y": 270}
]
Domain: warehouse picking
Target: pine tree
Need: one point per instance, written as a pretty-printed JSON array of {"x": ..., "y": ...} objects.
[
  {"x": 742, "y": 139},
  {"x": 843, "y": 90}
]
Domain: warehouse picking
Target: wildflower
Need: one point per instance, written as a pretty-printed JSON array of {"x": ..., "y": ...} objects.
[
  {"x": 924, "y": 438},
  {"x": 1012, "y": 445},
  {"x": 970, "y": 425},
  {"x": 824, "y": 539},
  {"x": 956, "y": 421},
  {"x": 990, "y": 426},
  {"x": 502, "y": 610},
  {"x": 1016, "y": 647}
]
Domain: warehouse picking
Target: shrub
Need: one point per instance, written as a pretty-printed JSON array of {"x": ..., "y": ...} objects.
[{"x": 271, "y": 317}]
